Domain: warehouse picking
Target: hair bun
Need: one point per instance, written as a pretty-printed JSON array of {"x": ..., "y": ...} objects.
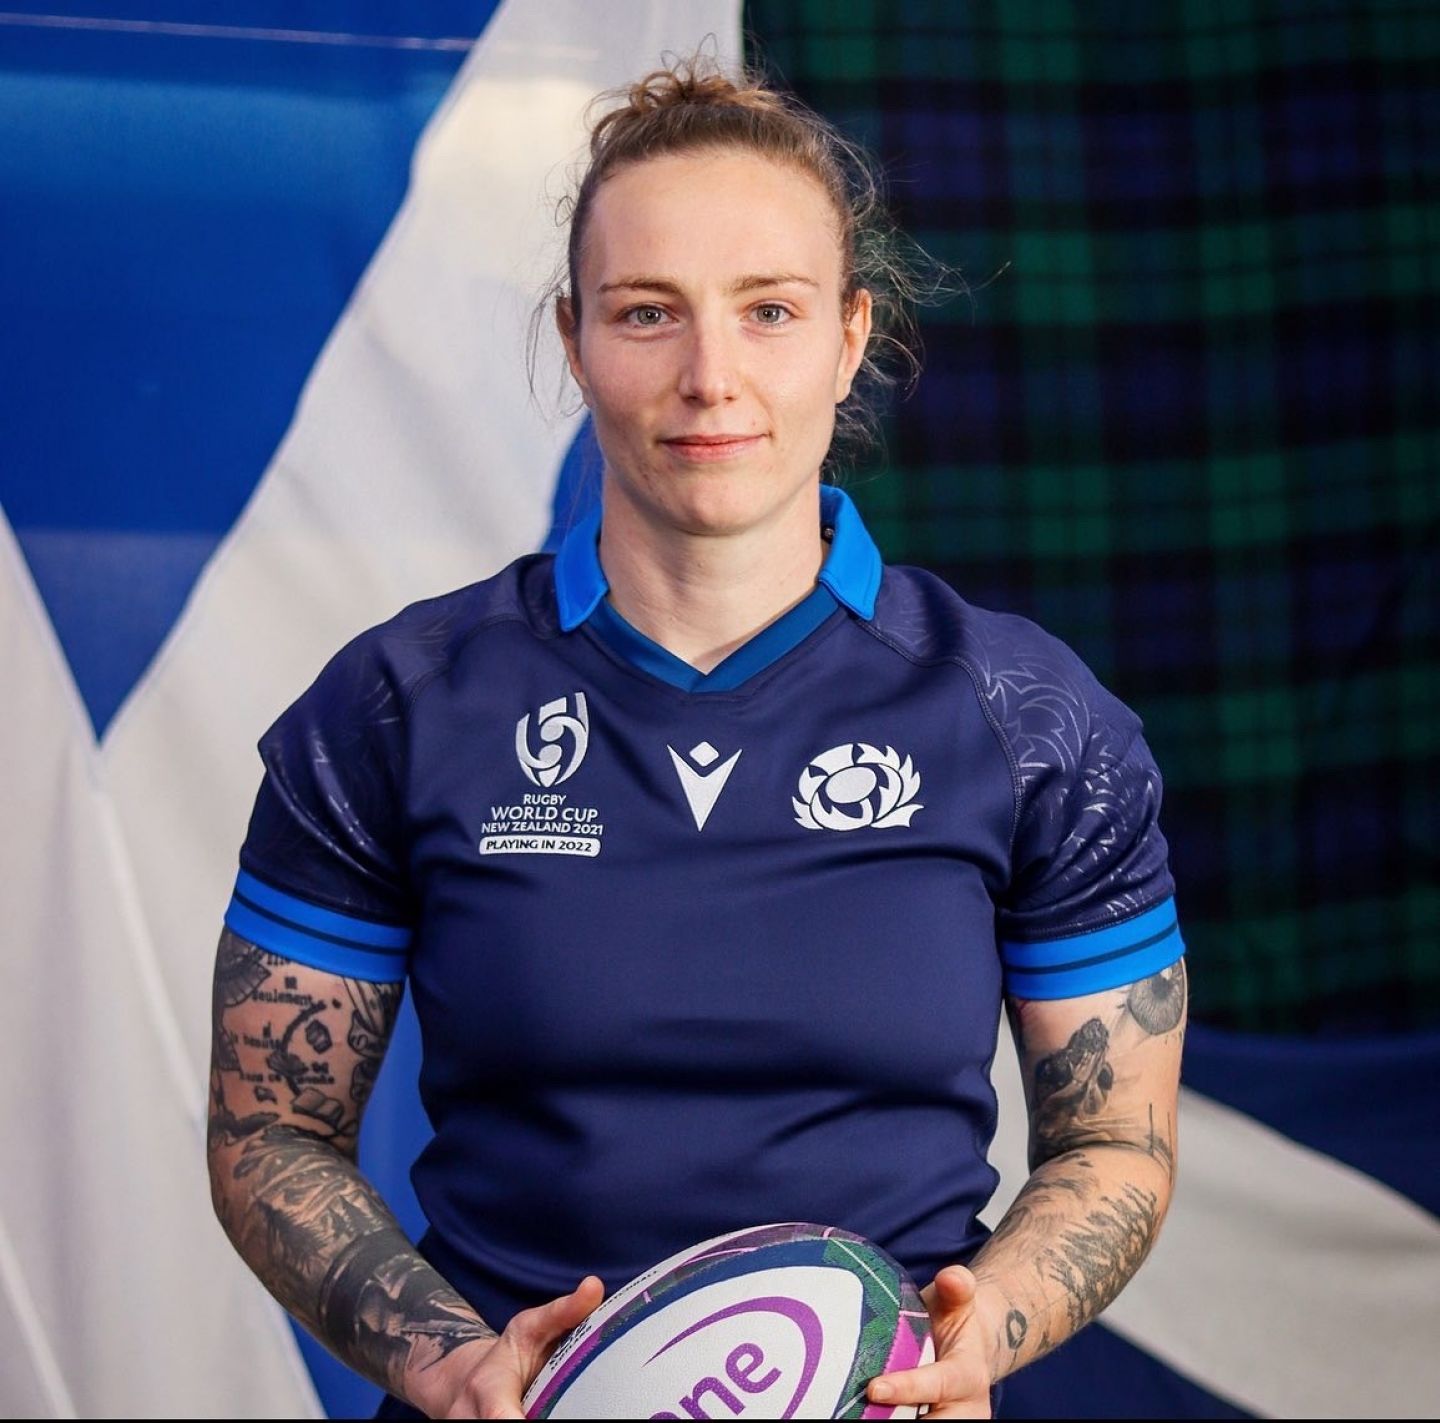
[
  {"x": 686, "y": 84},
  {"x": 682, "y": 93}
]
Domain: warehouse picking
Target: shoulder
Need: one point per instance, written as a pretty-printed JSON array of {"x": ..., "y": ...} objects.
[
  {"x": 1044, "y": 702},
  {"x": 397, "y": 658},
  {"x": 362, "y": 696}
]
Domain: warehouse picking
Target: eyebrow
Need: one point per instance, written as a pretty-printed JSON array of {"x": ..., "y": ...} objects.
[{"x": 739, "y": 286}]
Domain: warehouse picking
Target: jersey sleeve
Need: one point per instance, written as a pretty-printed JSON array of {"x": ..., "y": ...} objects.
[
  {"x": 1091, "y": 901},
  {"x": 322, "y": 870}
]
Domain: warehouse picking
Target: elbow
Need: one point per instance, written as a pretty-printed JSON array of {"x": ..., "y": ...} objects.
[
  {"x": 218, "y": 1175},
  {"x": 220, "y": 1167},
  {"x": 217, "y": 1190}
]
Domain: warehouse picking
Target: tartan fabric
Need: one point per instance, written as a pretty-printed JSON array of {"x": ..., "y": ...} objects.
[{"x": 1189, "y": 421}]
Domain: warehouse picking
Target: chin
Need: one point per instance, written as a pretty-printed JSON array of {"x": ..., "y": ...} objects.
[
  {"x": 707, "y": 520},
  {"x": 733, "y": 510},
  {"x": 713, "y": 502}
]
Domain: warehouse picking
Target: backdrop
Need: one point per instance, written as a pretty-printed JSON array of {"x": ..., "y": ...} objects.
[{"x": 265, "y": 270}]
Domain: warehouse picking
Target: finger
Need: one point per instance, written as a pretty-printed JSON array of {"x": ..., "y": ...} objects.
[
  {"x": 955, "y": 1287},
  {"x": 584, "y": 1298},
  {"x": 529, "y": 1339},
  {"x": 952, "y": 1291},
  {"x": 547, "y": 1323},
  {"x": 950, "y": 1382},
  {"x": 563, "y": 1314}
]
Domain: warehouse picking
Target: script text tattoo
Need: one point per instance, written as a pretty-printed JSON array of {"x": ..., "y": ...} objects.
[{"x": 292, "y": 1069}]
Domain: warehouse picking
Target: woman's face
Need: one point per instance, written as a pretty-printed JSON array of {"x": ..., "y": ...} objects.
[{"x": 712, "y": 346}]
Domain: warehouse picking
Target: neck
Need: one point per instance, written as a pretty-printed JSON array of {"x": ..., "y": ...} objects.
[{"x": 701, "y": 596}]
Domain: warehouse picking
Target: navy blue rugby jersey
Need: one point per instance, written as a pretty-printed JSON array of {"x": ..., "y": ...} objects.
[{"x": 694, "y": 952}]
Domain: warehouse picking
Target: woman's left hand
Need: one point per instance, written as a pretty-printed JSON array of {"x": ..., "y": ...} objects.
[{"x": 957, "y": 1384}]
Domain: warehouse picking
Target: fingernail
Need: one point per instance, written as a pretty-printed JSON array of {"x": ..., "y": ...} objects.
[{"x": 882, "y": 1392}]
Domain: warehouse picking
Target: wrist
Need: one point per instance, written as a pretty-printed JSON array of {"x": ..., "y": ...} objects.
[
  {"x": 993, "y": 1313},
  {"x": 432, "y": 1381}
]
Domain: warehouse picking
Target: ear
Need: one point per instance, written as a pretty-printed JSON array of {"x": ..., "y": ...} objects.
[
  {"x": 856, "y": 337},
  {"x": 568, "y": 326}
]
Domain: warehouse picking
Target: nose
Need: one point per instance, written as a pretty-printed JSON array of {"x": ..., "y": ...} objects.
[{"x": 709, "y": 370}]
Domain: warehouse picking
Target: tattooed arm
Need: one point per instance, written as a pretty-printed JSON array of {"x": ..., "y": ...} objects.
[
  {"x": 294, "y": 1056},
  {"x": 1102, "y": 1076}
]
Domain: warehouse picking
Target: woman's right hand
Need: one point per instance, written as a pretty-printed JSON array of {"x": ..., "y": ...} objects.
[{"x": 487, "y": 1378}]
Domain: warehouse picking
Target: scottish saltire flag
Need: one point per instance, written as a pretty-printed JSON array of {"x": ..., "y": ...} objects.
[{"x": 265, "y": 274}]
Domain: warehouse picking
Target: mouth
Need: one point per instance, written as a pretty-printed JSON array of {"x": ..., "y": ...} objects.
[{"x": 706, "y": 449}]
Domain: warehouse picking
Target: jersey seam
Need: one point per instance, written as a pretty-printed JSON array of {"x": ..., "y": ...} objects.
[
  {"x": 962, "y": 662},
  {"x": 407, "y": 712},
  {"x": 435, "y": 673}
]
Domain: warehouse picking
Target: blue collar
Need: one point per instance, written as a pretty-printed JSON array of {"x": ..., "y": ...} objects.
[
  {"x": 851, "y": 571},
  {"x": 768, "y": 645}
]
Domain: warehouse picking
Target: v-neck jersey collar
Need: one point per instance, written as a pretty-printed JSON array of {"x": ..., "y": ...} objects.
[{"x": 849, "y": 577}]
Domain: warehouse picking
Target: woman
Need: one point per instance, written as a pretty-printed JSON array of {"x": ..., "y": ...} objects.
[{"x": 709, "y": 848}]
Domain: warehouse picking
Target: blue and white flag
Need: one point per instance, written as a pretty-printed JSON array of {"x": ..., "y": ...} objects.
[
  {"x": 221, "y": 462},
  {"x": 266, "y": 274}
]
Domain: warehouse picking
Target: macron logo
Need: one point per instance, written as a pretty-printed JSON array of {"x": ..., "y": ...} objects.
[{"x": 702, "y": 786}]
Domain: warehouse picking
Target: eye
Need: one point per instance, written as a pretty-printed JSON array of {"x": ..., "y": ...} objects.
[
  {"x": 771, "y": 313},
  {"x": 644, "y": 316}
]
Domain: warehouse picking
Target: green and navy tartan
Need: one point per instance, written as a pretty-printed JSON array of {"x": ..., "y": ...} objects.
[{"x": 1192, "y": 426}]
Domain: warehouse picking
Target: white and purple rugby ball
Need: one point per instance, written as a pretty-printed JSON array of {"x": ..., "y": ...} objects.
[{"x": 777, "y": 1321}]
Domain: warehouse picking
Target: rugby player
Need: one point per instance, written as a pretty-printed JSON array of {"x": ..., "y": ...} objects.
[{"x": 709, "y": 847}]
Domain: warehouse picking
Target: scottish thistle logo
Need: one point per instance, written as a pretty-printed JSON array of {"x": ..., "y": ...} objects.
[
  {"x": 554, "y": 724},
  {"x": 855, "y": 785}
]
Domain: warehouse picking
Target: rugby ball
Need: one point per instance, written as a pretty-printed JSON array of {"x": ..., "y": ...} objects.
[{"x": 777, "y": 1321}]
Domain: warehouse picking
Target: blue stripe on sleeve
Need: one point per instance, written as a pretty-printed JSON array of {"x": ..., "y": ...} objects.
[
  {"x": 1091, "y": 963},
  {"x": 313, "y": 948},
  {"x": 303, "y": 914},
  {"x": 1069, "y": 952}
]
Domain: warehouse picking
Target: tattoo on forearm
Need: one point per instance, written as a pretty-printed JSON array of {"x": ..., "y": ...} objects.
[
  {"x": 1040, "y": 1199},
  {"x": 1085, "y": 1220},
  {"x": 291, "y": 1197},
  {"x": 1088, "y": 1253},
  {"x": 335, "y": 1256},
  {"x": 389, "y": 1299},
  {"x": 1102, "y": 1102},
  {"x": 1157, "y": 1003},
  {"x": 1093, "y": 1260}
]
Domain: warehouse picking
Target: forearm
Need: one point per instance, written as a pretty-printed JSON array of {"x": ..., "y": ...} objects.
[
  {"x": 323, "y": 1242},
  {"x": 295, "y": 1053},
  {"x": 1101, "y": 1075},
  {"x": 1079, "y": 1229}
]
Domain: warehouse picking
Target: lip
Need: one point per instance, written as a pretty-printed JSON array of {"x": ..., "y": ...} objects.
[{"x": 705, "y": 449}]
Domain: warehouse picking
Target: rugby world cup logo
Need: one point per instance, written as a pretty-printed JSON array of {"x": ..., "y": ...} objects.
[
  {"x": 856, "y": 785},
  {"x": 553, "y": 762}
]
